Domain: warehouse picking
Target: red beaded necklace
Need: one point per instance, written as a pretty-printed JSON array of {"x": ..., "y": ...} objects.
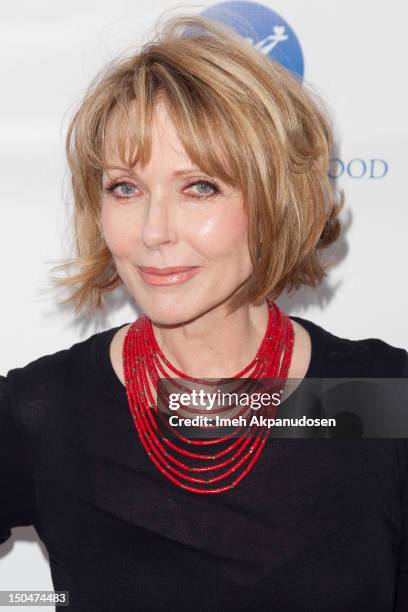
[{"x": 143, "y": 364}]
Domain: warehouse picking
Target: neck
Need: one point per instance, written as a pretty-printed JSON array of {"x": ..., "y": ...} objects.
[{"x": 216, "y": 344}]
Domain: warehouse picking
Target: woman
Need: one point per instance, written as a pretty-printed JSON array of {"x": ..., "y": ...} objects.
[{"x": 200, "y": 177}]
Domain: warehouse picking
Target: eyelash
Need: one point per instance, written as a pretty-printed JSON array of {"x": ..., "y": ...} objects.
[{"x": 113, "y": 186}]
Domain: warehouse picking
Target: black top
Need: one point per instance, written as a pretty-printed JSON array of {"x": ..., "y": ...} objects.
[{"x": 317, "y": 525}]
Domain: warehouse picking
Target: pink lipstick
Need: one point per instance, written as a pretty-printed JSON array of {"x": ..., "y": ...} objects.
[{"x": 167, "y": 276}]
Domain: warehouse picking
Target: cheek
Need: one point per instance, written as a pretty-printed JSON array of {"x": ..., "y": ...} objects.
[
  {"x": 115, "y": 231},
  {"x": 224, "y": 234}
]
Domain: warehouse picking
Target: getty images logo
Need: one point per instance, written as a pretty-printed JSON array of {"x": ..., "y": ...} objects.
[
  {"x": 264, "y": 29},
  {"x": 274, "y": 37}
]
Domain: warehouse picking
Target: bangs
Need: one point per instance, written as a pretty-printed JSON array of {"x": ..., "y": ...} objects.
[{"x": 207, "y": 135}]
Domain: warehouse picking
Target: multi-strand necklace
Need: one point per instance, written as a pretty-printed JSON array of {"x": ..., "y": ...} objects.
[{"x": 145, "y": 365}]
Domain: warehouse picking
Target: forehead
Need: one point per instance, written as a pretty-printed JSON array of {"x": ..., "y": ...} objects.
[
  {"x": 129, "y": 142},
  {"x": 123, "y": 135}
]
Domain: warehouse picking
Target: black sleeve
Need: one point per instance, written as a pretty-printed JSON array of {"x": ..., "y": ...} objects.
[
  {"x": 17, "y": 496},
  {"x": 401, "y": 604}
]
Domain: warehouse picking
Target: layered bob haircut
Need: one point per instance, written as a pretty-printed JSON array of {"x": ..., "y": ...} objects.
[{"x": 241, "y": 117}]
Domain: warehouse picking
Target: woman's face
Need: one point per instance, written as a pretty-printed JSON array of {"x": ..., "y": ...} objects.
[{"x": 160, "y": 217}]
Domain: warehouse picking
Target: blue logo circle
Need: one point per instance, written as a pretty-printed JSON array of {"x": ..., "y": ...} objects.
[{"x": 264, "y": 29}]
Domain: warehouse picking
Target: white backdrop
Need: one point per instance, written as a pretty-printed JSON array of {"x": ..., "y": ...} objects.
[{"x": 354, "y": 58}]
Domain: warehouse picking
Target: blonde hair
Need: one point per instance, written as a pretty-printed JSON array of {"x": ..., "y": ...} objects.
[{"x": 223, "y": 95}]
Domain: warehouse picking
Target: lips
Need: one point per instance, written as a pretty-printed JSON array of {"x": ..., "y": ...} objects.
[
  {"x": 164, "y": 271},
  {"x": 167, "y": 276}
]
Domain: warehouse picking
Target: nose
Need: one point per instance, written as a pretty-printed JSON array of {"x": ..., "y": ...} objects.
[{"x": 157, "y": 228}]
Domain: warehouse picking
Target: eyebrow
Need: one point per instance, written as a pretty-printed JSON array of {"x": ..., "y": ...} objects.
[{"x": 178, "y": 172}]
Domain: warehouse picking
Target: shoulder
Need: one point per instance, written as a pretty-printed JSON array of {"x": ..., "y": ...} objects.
[
  {"x": 339, "y": 356},
  {"x": 43, "y": 382},
  {"x": 49, "y": 365}
]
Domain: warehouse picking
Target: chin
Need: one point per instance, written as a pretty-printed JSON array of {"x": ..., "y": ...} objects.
[{"x": 170, "y": 310}]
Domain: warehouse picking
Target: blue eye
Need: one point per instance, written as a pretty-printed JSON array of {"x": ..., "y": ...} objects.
[
  {"x": 207, "y": 184},
  {"x": 127, "y": 188},
  {"x": 206, "y": 193},
  {"x": 119, "y": 185}
]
